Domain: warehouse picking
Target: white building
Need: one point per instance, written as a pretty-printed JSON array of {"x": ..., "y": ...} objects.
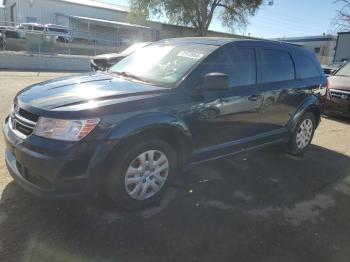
[
  {"x": 50, "y": 11},
  {"x": 323, "y": 45},
  {"x": 87, "y": 19},
  {"x": 2, "y": 13},
  {"x": 93, "y": 20}
]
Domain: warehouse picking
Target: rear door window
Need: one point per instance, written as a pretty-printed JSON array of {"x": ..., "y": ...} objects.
[
  {"x": 276, "y": 66},
  {"x": 307, "y": 67}
]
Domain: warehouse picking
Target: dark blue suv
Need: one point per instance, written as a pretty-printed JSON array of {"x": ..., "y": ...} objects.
[{"x": 128, "y": 131}]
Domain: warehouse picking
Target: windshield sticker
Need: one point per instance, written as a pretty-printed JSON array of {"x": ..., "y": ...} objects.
[{"x": 190, "y": 54}]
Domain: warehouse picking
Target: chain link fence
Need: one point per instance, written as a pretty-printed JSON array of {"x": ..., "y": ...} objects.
[{"x": 70, "y": 42}]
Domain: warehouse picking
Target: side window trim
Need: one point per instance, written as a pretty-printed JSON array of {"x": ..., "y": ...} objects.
[
  {"x": 259, "y": 63},
  {"x": 294, "y": 66},
  {"x": 255, "y": 61}
]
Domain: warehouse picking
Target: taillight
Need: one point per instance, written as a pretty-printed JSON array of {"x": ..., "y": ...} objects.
[
  {"x": 323, "y": 90},
  {"x": 326, "y": 86}
]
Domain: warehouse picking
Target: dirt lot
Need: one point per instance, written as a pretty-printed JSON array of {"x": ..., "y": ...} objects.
[{"x": 262, "y": 206}]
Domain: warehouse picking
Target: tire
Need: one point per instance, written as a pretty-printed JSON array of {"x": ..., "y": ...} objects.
[
  {"x": 126, "y": 185},
  {"x": 327, "y": 113},
  {"x": 303, "y": 134}
]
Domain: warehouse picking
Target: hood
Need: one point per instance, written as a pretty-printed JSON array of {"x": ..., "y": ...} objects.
[
  {"x": 109, "y": 56},
  {"x": 85, "y": 92},
  {"x": 339, "y": 82}
]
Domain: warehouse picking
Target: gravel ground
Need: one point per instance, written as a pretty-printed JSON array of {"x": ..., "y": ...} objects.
[{"x": 261, "y": 206}]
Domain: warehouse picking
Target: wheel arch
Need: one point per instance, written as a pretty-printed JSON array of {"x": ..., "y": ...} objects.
[
  {"x": 312, "y": 105},
  {"x": 166, "y": 127}
]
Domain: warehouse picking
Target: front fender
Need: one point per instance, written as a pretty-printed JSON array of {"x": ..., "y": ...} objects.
[
  {"x": 311, "y": 103},
  {"x": 143, "y": 122},
  {"x": 102, "y": 160}
]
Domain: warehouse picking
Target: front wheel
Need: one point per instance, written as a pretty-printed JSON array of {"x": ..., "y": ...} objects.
[
  {"x": 142, "y": 173},
  {"x": 303, "y": 134}
]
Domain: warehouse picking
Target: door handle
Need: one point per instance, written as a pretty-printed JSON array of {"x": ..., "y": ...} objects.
[{"x": 254, "y": 98}]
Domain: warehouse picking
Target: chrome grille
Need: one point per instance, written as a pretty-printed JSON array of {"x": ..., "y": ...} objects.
[
  {"x": 340, "y": 95},
  {"x": 22, "y": 122}
]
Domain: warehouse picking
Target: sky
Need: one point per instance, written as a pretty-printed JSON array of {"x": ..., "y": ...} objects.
[{"x": 286, "y": 18}]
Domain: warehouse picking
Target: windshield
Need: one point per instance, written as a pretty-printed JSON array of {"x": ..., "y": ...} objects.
[
  {"x": 163, "y": 63},
  {"x": 38, "y": 28},
  {"x": 344, "y": 71},
  {"x": 58, "y": 30}
]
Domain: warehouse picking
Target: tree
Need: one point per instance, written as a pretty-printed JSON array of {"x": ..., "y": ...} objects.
[
  {"x": 197, "y": 13},
  {"x": 342, "y": 20}
]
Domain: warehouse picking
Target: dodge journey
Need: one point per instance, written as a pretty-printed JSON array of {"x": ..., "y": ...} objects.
[{"x": 128, "y": 131}]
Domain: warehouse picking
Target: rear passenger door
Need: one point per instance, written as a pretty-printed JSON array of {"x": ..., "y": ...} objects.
[{"x": 282, "y": 93}]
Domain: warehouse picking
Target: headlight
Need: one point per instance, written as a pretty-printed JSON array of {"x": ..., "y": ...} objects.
[{"x": 67, "y": 130}]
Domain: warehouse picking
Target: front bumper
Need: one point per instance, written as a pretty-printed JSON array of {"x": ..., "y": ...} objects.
[
  {"x": 49, "y": 168},
  {"x": 337, "y": 107}
]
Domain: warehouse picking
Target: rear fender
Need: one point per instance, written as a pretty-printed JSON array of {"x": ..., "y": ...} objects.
[{"x": 312, "y": 104}]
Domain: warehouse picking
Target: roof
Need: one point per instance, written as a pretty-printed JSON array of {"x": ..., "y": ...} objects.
[
  {"x": 220, "y": 41},
  {"x": 201, "y": 40},
  {"x": 343, "y": 33},
  {"x": 94, "y": 3},
  {"x": 108, "y": 22}
]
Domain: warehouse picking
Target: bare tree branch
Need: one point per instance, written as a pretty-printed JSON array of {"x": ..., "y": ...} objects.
[{"x": 342, "y": 19}]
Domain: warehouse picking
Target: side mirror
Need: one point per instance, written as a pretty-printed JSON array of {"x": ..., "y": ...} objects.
[{"x": 214, "y": 82}]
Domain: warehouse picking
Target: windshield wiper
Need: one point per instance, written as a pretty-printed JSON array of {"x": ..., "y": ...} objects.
[{"x": 129, "y": 75}]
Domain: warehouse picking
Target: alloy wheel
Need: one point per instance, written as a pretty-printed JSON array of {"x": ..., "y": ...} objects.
[{"x": 304, "y": 134}]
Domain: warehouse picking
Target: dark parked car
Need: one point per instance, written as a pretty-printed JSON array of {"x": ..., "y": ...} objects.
[
  {"x": 332, "y": 68},
  {"x": 338, "y": 93},
  {"x": 9, "y": 32},
  {"x": 128, "y": 131},
  {"x": 106, "y": 61}
]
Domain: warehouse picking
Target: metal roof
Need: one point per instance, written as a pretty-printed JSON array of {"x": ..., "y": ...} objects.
[
  {"x": 98, "y": 4},
  {"x": 307, "y": 38},
  {"x": 94, "y": 3},
  {"x": 107, "y": 22}
]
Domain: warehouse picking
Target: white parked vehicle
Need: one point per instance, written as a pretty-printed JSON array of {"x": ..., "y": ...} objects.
[
  {"x": 29, "y": 27},
  {"x": 62, "y": 33}
]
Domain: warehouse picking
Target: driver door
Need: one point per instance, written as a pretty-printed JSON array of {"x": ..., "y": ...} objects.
[{"x": 223, "y": 120}]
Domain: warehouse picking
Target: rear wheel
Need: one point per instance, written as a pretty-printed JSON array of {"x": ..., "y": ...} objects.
[
  {"x": 142, "y": 174},
  {"x": 303, "y": 134}
]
